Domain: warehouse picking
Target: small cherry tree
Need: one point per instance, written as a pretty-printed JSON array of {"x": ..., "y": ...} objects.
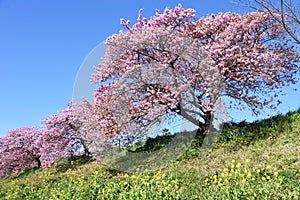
[
  {"x": 61, "y": 138},
  {"x": 20, "y": 149},
  {"x": 175, "y": 64}
]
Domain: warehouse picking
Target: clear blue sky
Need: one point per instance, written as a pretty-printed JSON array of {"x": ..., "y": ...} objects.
[{"x": 43, "y": 44}]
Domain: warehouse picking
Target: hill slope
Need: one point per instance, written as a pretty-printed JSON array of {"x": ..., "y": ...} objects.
[{"x": 259, "y": 160}]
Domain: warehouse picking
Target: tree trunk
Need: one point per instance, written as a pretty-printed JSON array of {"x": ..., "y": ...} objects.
[
  {"x": 204, "y": 127},
  {"x": 39, "y": 163},
  {"x": 86, "y": 150}
]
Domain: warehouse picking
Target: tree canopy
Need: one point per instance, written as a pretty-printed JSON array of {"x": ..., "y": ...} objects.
[{"x": 175, "y": 64}]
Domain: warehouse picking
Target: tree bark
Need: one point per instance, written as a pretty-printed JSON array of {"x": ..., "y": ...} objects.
[
  {"x": 39, "y": 163},
  {"x": 204, "y": 127}
]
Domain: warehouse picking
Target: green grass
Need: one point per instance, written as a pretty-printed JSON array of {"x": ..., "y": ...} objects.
[{"x": 259, "y": 160}]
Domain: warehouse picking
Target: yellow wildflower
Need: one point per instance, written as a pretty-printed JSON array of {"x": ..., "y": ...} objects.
[{"x": 249, "y": 174}]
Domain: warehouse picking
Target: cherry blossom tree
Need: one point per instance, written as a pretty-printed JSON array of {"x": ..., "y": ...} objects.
[
  {"x": 92, "y": 131},
  {"x": 174, "y": 64},
  {"x": 61, "y": 138},
  {"x": 20, "y": 149}
]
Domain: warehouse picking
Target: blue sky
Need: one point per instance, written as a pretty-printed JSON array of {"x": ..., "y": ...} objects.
[{"x": 44, "y": 43}]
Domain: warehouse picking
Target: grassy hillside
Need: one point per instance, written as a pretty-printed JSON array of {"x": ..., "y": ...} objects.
[{"x": 259, "y": 160}]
